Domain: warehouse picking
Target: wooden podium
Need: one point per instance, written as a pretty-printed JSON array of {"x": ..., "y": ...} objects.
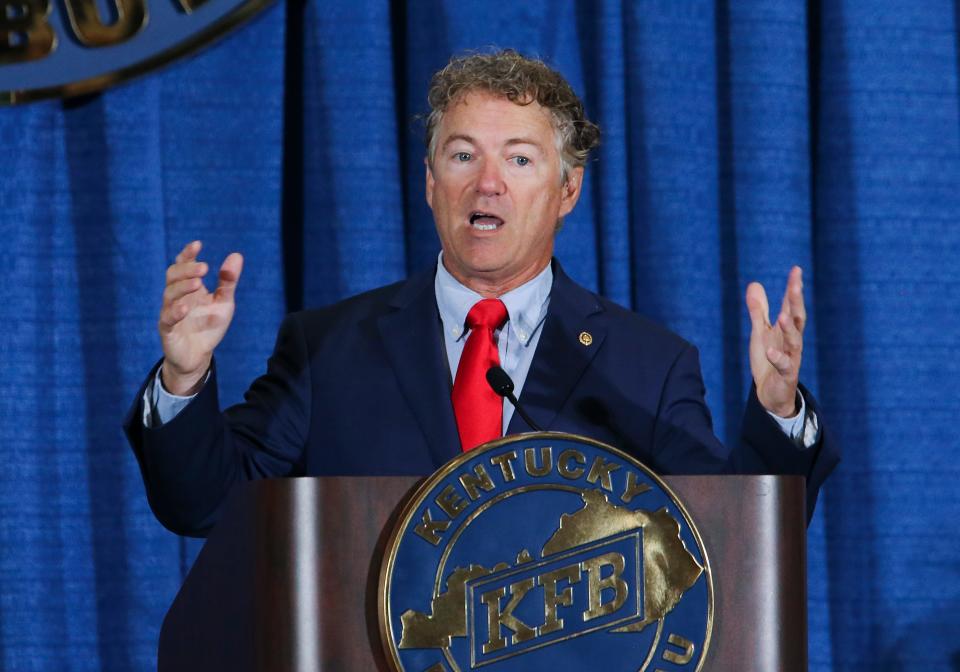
[{"x": 288, "y": 579}]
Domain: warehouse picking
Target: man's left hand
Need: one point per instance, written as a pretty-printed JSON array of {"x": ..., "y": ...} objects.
[{"x": 775, "y": 349}]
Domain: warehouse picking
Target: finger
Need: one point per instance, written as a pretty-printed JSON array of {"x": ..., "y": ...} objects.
[
  {"x": 780, "y": 361},
  {"x": 186, "y": 269},
  {"x": 189, "y": 251},
  {"x": 181, "y": 288},
  {"x": 757, "y": 305},
  {"x": 792, "y": 335},
  {"x": 172, "y": 314},
  {"x": 229, "y": 276},
  {"x": 794, "y": 298}
]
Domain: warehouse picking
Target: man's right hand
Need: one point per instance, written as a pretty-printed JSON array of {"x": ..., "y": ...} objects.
[{"x": 193, "y": 321}]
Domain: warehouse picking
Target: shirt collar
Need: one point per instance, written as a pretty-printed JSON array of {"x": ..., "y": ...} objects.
[{"x": 526, "y": 304}]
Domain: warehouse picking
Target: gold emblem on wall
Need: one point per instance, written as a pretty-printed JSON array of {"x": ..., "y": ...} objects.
[{"x": 69, "y": 48}]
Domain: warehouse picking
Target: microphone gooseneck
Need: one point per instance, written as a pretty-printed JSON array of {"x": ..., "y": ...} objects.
[{"x": 501, "y": 383}]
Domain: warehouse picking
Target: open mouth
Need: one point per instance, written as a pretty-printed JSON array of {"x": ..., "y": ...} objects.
[{"x": 484, "y": 221}]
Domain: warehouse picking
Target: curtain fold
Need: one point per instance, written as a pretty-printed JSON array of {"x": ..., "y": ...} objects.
[{"x": 739, "y": 138}]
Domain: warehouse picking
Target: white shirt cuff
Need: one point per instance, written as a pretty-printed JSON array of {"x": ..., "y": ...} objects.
[
  {"x": 803, "y": 428},
  {"x": 159, "y": 406}
]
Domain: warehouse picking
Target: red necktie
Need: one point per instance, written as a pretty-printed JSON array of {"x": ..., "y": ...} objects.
[{"x": 479, "y": 410}]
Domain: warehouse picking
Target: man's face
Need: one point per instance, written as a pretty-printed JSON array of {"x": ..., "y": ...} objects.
[{"x": 495, "y": 191}]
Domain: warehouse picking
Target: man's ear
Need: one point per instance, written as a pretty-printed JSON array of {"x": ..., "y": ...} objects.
[
  {"x": 430, "y": 183},
  {"x": 571, "y": 191}
]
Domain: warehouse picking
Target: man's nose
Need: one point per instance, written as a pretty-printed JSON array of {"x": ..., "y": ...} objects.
[{"x": 490, "y": 180}]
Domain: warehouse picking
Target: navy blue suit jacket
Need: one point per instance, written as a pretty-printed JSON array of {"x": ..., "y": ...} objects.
[{"x": 362, "y": 387}]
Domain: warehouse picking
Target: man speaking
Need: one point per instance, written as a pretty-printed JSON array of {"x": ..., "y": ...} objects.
[{"x": 393, "y": 381}]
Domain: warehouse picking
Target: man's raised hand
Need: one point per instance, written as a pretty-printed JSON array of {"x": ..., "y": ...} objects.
[
  {"x": 776, "y": 349},
  {"x": 193, "y": 320}
]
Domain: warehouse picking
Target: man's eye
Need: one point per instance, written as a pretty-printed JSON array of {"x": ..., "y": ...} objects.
[
  {"x": 463, "y": 156},
  {"x": 522, "y": 160}
]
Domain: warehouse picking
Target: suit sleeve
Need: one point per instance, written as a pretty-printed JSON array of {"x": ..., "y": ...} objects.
[
  {"x": 685, "y": 442},
  {"x": 190, "y": 463},
  {"x": 765, "y": 449}
]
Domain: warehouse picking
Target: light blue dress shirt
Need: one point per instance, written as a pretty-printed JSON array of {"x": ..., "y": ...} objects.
[{"x": 516, "y": 340}]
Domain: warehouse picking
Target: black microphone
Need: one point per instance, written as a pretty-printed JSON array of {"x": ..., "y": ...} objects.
[{"x": 503, "y": 386}]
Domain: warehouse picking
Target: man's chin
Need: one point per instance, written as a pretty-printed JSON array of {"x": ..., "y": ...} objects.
[{"x": 495, "y": 276}]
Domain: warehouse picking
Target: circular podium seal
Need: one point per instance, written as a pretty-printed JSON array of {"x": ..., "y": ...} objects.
[{"x": 545, "y": 551}]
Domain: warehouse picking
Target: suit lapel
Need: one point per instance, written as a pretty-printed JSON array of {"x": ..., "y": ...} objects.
[
  {"x": 561, "y": 357},
  {"x": 412, "y": 337}
]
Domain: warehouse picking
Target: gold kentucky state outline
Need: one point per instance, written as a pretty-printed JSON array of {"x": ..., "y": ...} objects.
[{"x": 668, "y": 569}]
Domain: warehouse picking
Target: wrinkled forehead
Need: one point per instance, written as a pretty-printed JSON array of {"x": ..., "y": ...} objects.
[{"x": 481, "y": 115}]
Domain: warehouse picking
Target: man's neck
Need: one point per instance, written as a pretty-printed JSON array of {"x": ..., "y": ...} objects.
[{"x": 494, "y": 287}]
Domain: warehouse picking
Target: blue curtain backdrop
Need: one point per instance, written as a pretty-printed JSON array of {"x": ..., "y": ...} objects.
[{"x": 739, "y": 138}]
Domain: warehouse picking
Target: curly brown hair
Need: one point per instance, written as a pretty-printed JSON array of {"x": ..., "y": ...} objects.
[{"x": 523, "y": 81}]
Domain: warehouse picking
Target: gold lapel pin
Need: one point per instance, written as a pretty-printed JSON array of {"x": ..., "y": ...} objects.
[{"x": 586, "y": 338}]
